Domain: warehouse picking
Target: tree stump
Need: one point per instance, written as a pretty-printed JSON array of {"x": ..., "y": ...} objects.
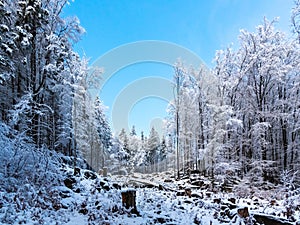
[
  {"x": 243, "y": 213},
  {"x": 105, "y": 171},
  {"x": 188, "y": 192},
  {"x": 128, "y": 200}
]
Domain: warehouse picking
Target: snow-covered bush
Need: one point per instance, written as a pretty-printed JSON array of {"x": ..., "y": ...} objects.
[
  {"x": 22, "y": 161},
  {"x": 28, "y": 175},
  {"x": 226, "y": 175},
  {"x": 288, "y": 180}
]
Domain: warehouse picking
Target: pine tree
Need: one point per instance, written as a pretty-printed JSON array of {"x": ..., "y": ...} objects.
[
  {"x": 133, "y": 132},
  {"x": 103, "y": 127},
  {"x": 125, "y": 143},
  {"x": 153, "y": 144}
]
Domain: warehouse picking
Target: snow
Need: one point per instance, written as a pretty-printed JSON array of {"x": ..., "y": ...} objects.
[
  {"x": 156, "y": 206},
  {"x": 25, "y": 41},
  {"x": 77, "y": 219},
  {"x": 8, "y": 50},
  {"x": 36, "y": 187},
  {"x": 98, "y": 200},
  {"x": 4, "y": 28},
  {"x": 235, "y": 122}
]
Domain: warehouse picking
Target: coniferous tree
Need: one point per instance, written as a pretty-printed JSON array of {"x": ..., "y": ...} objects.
[{"x": 153, "y": 144}]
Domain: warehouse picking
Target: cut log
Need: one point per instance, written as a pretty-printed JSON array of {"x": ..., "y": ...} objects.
[
  {"x": 76, "y": 171},
  {"x": 198, "y": 183},
  {"x": 232, "y": 200},
  {"x": 128, "y": 200},
  {"x": 180, "y": 193},
  {"x": 70, "y": 182},
  {"x": 270, "y": 220},
  {"x": 208, "y": 194}
]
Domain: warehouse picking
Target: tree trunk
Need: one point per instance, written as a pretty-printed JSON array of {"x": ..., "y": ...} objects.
[{"x": 284, "y": 143}]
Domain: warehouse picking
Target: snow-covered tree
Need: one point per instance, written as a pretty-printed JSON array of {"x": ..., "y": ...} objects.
[
  {"x": 103, "y": 127},
  {"x": 133, "y": 132},
  {"x": 295, "y": 18},
  {"x": 153, "y": 145},
  {"x": 247, "y": 114},
  {"x": 37, "y": 60},
  {"x": 257, "y": 81},
  {"x": 125, "y": 142}
]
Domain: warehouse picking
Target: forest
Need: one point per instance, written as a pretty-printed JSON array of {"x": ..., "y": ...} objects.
[{"x": 239, "y": 120}]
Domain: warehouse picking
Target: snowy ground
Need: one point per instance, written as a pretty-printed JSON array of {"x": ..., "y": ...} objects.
[{"x": 91, "y": 199}]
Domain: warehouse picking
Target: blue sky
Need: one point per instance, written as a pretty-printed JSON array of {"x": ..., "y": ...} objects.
[{"x": 202, "y": 26}]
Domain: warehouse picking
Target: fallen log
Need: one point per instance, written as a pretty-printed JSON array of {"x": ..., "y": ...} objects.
[
  {"x": 149, "y": 184},
  {"x": 270, "y": 220},
  {"x": 146, "y": 183}
]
